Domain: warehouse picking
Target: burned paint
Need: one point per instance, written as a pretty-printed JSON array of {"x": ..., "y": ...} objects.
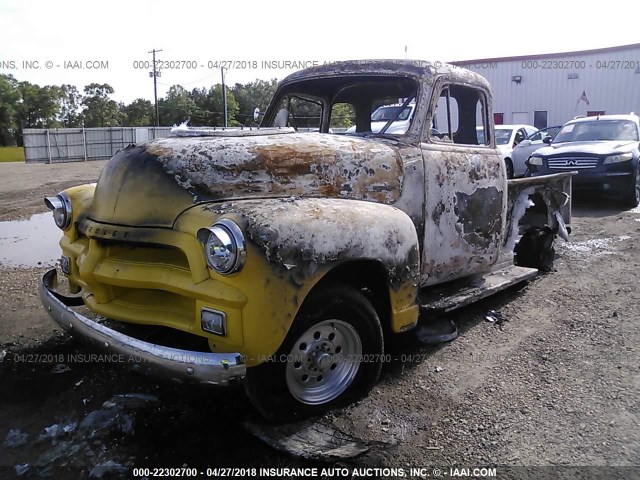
[
  {"x": 299, "y": 235},
  {"x": 465, "y": 211},
  {"x": 478, "y": 215},
  {"x": 282, "y": 165}
]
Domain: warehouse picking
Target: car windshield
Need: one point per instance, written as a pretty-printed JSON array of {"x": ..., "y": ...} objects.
[
  {"x": 544, "y": 133},
  {"x": 384, "y": 114},
  {"x": 597, "y": 130},
  {"x": 503, "y": 135}
]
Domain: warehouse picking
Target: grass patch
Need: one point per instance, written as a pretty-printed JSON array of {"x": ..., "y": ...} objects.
[{"x": 11, "y": 154}]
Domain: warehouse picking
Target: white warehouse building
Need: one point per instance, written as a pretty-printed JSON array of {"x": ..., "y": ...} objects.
[{"x": 550, "y": 89}]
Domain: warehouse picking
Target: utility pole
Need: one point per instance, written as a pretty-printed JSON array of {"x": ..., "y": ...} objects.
[
  {"x": 224, "y": 97},
  {"x": 155, "y": 74}
]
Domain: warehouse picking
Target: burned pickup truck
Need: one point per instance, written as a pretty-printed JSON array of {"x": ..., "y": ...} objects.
[{"x": 288, "y": 256}]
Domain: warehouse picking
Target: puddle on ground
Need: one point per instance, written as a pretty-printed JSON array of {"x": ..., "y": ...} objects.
[
  {"x": 595, "y": 246},
  {"x": 30, "y": 243}
]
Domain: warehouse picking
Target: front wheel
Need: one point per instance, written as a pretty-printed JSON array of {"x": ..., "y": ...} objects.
[
  {"x": 632, "y": 197},
  {"x": 331, "y": 356},
  {"x": 509, "y": 164}
]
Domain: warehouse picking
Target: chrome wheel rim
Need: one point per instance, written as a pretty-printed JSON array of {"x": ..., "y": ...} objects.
[
  {"x": 638, "y": 186},
  {"x": 323, "y": 362}
]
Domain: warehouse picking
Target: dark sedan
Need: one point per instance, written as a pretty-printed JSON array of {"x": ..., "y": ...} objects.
[{"x": 604, "y": 150}]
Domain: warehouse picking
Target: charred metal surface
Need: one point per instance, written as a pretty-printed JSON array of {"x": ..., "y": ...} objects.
[
  {"x": 308, "y": 164},
  {"x": 411, "y": 199},
  {"x": 465, "y": 211},
  {"x": 478, "y": 215},
  {"x": 311, "y": 439},
  {"x": 298, "y": 236},
  {"x": 554, "y": 190},
  {"x": 422, "y": 70}
]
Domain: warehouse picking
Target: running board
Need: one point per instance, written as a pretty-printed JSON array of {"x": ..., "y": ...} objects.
[{"x": 460, "y": 293}]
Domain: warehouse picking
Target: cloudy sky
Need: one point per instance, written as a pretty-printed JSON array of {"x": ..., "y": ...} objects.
[{"x": 51, "y": 42}]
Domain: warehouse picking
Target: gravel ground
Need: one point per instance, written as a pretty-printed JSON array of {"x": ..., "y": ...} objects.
[{"x": 556, "y": 383}]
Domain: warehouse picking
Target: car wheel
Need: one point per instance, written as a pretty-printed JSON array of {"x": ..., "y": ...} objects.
[
  {"x": 632, "y": 197},
  {"x": 509, "y": 165},
  {"x": 331, "y": 356}
]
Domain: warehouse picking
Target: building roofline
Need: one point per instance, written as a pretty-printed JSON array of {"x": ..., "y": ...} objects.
[{"x": 546, "y": 55}]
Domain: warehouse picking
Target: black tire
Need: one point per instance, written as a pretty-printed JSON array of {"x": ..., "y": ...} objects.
[
  {"x": 509, "y": 165},
  {"x": 631, "y": 199},
  {"x": 277, "y": 388}
]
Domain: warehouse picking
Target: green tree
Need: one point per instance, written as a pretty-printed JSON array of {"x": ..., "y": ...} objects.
[
  {"x": 40, "y": 105},
  {"x": 99, "y": 109},
  {"x": 251, "y": 95},
  {"x": 70, "y": 106},
  {"x": 9, "y": 98},
  {"x": 210, "y": 107},
  {"x": 342, "y": 115},
  {"x": 176, "y": 107},
  {"x": 139, "y": 113}
]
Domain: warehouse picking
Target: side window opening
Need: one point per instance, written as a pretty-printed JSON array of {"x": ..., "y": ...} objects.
[
  {"x": 302, "y": 113},
  {"x": 461, "y": 116},
  {"x": 343, "y": 117}
]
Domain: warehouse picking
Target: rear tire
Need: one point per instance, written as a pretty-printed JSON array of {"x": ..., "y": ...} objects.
[
  {"x": 632, "y": 198},
  {"x": 331, "y": 357}
]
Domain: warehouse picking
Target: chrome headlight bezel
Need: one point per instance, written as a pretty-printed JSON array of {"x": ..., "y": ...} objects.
[
  {"x": 60, "y": 205},
  {"x": 227, "y": 233},
  {"x": 618, "y": 157}
]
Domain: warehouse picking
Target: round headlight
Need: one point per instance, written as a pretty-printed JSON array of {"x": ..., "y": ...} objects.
[
  {"x": 224, "y": 246},
  {"x": 61, "y": 207}
]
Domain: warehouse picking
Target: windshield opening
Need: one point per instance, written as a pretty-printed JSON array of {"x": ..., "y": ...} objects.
[{"x": 353, "y": 104}]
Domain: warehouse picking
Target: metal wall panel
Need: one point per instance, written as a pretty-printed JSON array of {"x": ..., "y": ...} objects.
[
  {"x": 57, "y": 145},
  {"x": 554, "y": 83}
]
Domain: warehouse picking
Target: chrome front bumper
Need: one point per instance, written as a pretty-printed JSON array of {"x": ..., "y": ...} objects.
[{"x": 179, "y": 365}]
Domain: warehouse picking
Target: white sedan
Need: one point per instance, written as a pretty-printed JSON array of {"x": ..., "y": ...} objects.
[{"x": 507, "y": 137}]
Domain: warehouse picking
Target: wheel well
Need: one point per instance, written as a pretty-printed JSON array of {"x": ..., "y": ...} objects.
[{"x": 368, "y": 276}]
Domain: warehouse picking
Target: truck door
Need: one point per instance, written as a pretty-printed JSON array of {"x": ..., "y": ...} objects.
[{"x": 465, "y": 185}]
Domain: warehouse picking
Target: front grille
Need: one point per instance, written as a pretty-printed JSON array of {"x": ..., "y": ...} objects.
[{"x": 572, "y": 163}]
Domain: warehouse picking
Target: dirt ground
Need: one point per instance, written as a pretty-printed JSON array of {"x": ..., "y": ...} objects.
[{"x": 557, "y": 383}]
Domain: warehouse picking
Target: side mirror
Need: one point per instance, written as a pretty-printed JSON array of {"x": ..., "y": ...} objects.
[
  {"x": 525, "y": 143},
  {"x": 547, "y": 140},
  {"x": 256, "y": 114}
]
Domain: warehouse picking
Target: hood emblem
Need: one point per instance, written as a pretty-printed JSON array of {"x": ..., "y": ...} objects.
[{"x": 572, "y": 163}]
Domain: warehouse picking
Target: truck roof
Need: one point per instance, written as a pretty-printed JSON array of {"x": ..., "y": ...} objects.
[{"x": 418, "y": 69}]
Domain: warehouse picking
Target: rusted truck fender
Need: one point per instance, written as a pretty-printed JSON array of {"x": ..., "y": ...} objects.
[{"x": 303, "y": 240}]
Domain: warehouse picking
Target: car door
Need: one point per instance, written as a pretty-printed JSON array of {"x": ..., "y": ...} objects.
[{"x": 465, "y": 186}]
